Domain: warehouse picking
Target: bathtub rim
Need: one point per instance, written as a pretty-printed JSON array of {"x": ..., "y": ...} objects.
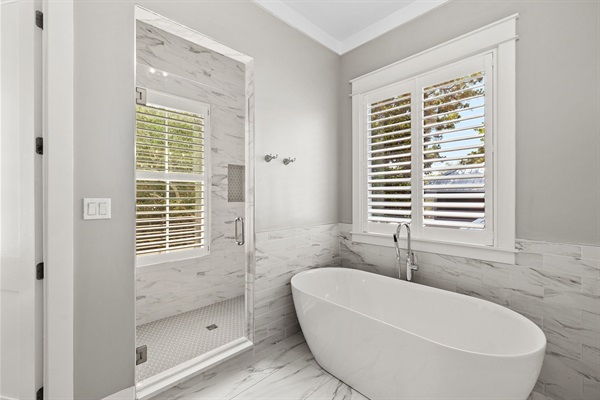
[{"x": 539, "y": 333}]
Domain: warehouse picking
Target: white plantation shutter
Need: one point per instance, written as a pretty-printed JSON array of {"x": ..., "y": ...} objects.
[
  {"x": 462, "y": 147},
  {"x": 455, "y": 107},
  {"x": 171, "y": 204},
  {"x": 389, "y": 157},
  {"x": 169, "y": 140},
  {"x": 427, "y": 154},
  {"x": 169, "y": 215}
]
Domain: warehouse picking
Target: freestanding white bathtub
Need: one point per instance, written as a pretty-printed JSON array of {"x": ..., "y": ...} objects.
[{"x": 391, "y": 339}]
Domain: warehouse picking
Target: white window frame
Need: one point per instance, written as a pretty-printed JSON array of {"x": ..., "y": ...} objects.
[
  {"x": 498, "y": 39},
  {"x": 160, "y": 99}
]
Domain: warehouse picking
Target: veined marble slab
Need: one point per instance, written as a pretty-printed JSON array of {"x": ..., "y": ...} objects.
[
  {"x": 169, "y": 52},
  {"x": 297, "y": 380},
  {"x": 149, "y": 17}
]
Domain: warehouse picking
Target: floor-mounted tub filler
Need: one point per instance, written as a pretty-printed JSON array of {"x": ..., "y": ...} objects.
[{"x": 391, "y": 339}]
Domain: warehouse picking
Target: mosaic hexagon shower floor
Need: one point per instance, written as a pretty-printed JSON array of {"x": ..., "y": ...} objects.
[{"x": 184, "y": 336}]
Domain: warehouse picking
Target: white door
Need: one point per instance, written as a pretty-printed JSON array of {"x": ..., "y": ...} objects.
[{"x": 21, "y": 301}]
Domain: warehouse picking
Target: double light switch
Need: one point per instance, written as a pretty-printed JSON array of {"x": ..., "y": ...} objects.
[{"x": 96, "y": 208}]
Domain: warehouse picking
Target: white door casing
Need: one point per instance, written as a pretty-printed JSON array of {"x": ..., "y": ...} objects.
[{"x": 21, "y": 295}]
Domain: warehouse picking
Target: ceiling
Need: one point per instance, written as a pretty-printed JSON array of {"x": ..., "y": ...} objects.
[{"x": 343, "y": 25}]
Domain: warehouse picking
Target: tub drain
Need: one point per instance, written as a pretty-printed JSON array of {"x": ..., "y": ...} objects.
[{"x": 211, "y": 327}]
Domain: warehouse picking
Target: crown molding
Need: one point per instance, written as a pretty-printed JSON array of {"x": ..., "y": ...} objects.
[
  {"x": 294, "y": 19},
  {"x": 392, "y": 21},
  {"x": 288, "y": 15}
]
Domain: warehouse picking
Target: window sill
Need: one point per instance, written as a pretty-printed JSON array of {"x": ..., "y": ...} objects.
[
  {"x": 154, "y": 262},
  {"x": 485, "y": 253}
]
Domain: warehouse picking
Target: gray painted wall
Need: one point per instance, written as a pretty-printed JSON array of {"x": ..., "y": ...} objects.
[
  {"x": 296, "y": 83},
  {"x": 558, "y": 172},
  {"x": 296, "y": 115},
  {"x": 104, "y": 112}
]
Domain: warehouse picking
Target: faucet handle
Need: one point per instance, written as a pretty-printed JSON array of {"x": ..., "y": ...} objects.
[{"x": 414, "y": 261}]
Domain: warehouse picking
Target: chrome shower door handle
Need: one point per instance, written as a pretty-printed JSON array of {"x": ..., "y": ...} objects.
[{"x": 242, "y": 241}]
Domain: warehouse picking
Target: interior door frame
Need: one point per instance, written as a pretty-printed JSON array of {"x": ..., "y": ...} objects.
[
  {"x": 58, "y": 77},
  {"x": 25, "y": 96}
]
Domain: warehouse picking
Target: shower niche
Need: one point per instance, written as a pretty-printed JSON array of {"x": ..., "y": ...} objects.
[{"x": 194, "y": 202}]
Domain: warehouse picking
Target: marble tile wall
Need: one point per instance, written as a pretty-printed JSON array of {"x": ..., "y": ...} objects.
[
  {"x": 554, "y": 285},
  {"x": 170, "y": 64},
  {"x": 281, "y": 254}
]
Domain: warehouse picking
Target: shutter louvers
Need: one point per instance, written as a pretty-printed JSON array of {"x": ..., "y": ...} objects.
[
  {"x": 169, "y": 140},
  {"x": 453, "y": 165},
  {"x": 389, "y": 160},
  {"x": 170, "y": 199}
]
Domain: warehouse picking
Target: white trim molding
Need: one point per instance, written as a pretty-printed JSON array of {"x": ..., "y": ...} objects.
[
  {"x": 58, "y": 199},
  {"x": 469, "y": 44},
  {"x": 158, "y": 99},
  {"x": 485, "y": 253},
  {"x": 125, "y": 394},
  {"x": 497, "y": 39},
  {"x": 294, "y": 19},
  {"x": 392, "y": 21},
  {"x": 286, "y": 14}
]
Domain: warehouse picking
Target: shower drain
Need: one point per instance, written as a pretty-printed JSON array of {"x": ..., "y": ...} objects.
[{"x": 211, "y": 327}]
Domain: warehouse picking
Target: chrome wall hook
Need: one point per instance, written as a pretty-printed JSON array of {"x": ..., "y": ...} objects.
[
  {"x": 270, "y": 157},
  {"x": 288, "y": 160}
]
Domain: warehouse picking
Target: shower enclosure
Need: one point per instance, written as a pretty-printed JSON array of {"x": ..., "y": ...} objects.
[{"x": 194, "y": 202}]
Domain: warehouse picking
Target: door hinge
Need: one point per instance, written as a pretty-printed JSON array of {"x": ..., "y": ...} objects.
[
  {"x": 39, "y": 145},
  {"x": 141, "y": 355},
  {"x": 140, "y": 96},
  {"x": 39, "y": 271},
  {"x": 39, "y": 395},
  {"x": 39, "y": 19}
]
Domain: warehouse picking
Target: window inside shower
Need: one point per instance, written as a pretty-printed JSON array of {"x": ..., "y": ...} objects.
[{"x": 172, "y": 172}]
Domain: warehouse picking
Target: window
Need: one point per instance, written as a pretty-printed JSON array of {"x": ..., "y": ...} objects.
[
  {"x": 436, "y": 147},
  {"x": 171, "y": 179},
  {"x": 426, "y": 150}
]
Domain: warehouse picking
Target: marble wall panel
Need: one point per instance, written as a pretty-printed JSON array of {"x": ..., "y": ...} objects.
[
  {"x": 170, "y": 64},
  {"x": 555, "y": 285},
  {"x": 280, "y": 255},
  {"x": 175, "y": 55}
]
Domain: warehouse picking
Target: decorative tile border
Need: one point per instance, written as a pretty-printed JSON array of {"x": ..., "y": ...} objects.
[{"x": 553, "y": 284}]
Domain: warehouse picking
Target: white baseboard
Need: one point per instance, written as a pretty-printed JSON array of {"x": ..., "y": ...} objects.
[{"x": 125, "y": 394}]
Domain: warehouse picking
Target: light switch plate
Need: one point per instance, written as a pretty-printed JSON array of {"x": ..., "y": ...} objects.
[{"x": 95, "y": 208}]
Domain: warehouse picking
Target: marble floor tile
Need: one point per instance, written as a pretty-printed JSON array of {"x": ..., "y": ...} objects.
[
  {"x": 287, "y": 373},
  {"x": 336, "y": 390},
  {"x": 225, "y": 385},
  {"x": 298, "y": 380}
]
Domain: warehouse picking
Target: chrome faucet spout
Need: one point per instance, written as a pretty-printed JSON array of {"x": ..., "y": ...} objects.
[{"x": 411, "y": 266}]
